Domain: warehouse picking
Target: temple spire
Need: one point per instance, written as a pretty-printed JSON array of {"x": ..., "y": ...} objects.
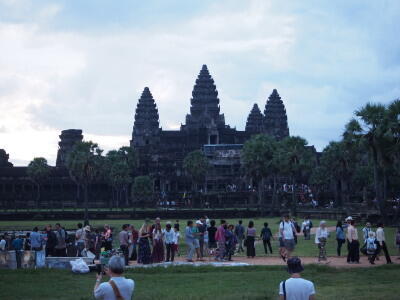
[
  {"x": 204, "y": 109},
  {"x": 254, "y": 124},
  {"x": 146, "y": 125},
  {"x": 275, "y": 118}
]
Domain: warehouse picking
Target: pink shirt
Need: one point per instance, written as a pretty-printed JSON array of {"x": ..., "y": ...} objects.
[{"x": 220, "y": 234}]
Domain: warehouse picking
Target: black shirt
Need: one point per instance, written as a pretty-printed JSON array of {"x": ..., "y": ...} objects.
[{"x": 211, "y": 233}]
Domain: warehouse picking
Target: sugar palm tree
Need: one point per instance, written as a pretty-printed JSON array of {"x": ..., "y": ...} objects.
[
  {"x": 86, "y": 165},
  {"x": 38, "y": 171}
]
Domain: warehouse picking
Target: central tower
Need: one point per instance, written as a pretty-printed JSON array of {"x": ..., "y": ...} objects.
[{"x": 205, "y": 110}]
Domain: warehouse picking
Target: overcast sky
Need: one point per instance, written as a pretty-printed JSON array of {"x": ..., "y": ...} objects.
[{"x": 83, "y": 64}]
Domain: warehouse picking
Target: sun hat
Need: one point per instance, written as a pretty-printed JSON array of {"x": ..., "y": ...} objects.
[
  {"x": 198, "y": 222},
  {"x": 87, "y": 228},
  {"x": 349, "y": 218},
  {"x": 294, "y": 265}
]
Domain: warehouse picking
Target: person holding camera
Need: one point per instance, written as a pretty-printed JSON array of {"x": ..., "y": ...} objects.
[{"x": 118, "y": 287}]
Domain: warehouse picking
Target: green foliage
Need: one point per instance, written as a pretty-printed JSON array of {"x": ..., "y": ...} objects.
[
  {"x": 258, "y": 156},
  {"x": 196, "y": 165},
  {"x": 142, "y": 187},
  {"x": 120, "y": 165},
  {"x": 85, "y": 163},
  {"x": 38, "y": 170}
]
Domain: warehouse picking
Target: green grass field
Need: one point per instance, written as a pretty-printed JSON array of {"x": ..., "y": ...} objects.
[
  {"x": 303, "y": 248},
  {"x": 189, "y": 283}
]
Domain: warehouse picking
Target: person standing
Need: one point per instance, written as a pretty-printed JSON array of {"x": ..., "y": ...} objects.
[
  {"x": 80, "y": 239},
  {"x": 108, "y": 238},
  {"x": 250, "y": 240},
  {"x": 239, "y": 233},
  {"x": 157, "y": 255},
  {"x": 51, "y": 241},
  {"x": 36, "y": 240},
  {"x": 220, "y": 238},
  {"x": 321, "y": 236},
  {"x": 231, "y": 241},
  {"x": 354, "y": 244},
  {"x": 190, "y": 240},
  {"x": 340, "y": 237},
  {"x": 397, "y": 242},
  {"x": 133, "y": 239},
  {"x": 3, "y": 244},
  {"x": 306, "y": 228},
  {"x": 123, "y": 237},
  {"x": 144, "y": 252},
  {"x": 18, "y": 244},
  {"x": 287, "y": 232},
  {"x": 371, "y": 247},
  {"x": 266, "y": 236},
  {"x": 212, "y": 243},
  {"x": 61, "y": 246},
  {"x": 366, "y": 230},
  {"x": 176, "y": 241},
  {"x": 169, "y": 235},
  {"x": 296, "y": 288},
  {"x": 380, "y": 237},
  {"x": 202, "y": 227}
]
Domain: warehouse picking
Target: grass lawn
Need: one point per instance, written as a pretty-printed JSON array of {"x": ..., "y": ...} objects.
[
  {"x": 303, "y": 248},
  {"x": 188, "y": 283}
]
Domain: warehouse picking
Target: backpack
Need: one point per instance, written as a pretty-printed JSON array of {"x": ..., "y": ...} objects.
[
  {"x": 298, "y": 229},
  {"x": 371, "y": 246},
  {"x": 311, "y": 224},
  {"x": 266, "y": 234}
]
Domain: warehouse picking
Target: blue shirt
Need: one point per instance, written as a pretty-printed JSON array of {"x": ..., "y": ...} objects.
[
  {"x": 36, "y": 239},
  {"x": 189, "y": 237},
  {"x": 340, "y": 233},
  {"x": 17, "y": 244}
]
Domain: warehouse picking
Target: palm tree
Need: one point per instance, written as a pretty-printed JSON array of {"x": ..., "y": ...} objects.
[
  {"x": 142, "y": 188},
  {"x": 38, "y": 171},
  {"x": 85, "y": 164},
  {"x": 257, "y": 157},
  {"x": 120, "y": 165},
  {"x": 196, "y": 165},
  {"x": 297, "y": 161}
]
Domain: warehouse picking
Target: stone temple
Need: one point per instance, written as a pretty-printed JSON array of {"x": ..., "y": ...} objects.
[{"x": 161, "y": 152}]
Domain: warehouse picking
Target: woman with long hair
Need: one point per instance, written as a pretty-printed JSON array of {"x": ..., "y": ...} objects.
[
  {"x": 340, "y": 237},
  {"x": 144, "y": 252},
  {"x": 108, "y": 238},
  {"x": 250, "y": 240},
  {"x": 157, "y": 255}
]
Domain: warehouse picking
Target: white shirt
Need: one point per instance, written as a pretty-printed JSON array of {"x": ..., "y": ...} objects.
[
  {"x": 297, "y": 289},
  {"x": 3, "y": 244},
  {"x": 169, "y": 236},
  {"x": 380, "y": 235},
  {"x": 287, "y": 228},
  {"x": 106, "y": 292},
  {"x": 305, "y": 225},
  {"x": 177, "y": 235},
  {"x": 321, "y": 233}
]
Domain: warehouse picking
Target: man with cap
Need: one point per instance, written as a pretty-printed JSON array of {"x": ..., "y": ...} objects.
[{"x": 296, "y": 288}]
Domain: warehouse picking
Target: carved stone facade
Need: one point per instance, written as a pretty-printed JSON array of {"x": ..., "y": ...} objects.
[
  {"x": 4, "y": 163},
  {"x": 68, "y": 138}
]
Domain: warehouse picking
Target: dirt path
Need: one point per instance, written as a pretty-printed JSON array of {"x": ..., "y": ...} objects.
[{"x": 339, "y": 262}]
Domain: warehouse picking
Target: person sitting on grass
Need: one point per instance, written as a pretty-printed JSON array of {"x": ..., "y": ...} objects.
[
  {"x": 296, "y": 288},
  {"x": 118, "y": 287}
]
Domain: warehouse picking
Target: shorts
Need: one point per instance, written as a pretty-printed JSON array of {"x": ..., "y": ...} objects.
[
  {"x": 289, "y": 244},
  {"x": 196, "y": 243},
  {"x": 281, "y": 243}
]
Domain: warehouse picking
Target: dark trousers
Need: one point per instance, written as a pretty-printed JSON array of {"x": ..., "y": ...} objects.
[
  {"x": 339, "y": 246},
  {"x": 18, "y": 257},
  {"x": 354, "y": 251},
  {"x": 385, "y": 251},
  {"x": 348, "y": 251},
  {"x": 61, "y": 252},
  {"x": 49, "y": 251},
  {"x": 125, "y": 252},
  {"x": 171, "y": 251},
  {"x": 201, "y": 242},
  {"x": 267, "y": 243}
]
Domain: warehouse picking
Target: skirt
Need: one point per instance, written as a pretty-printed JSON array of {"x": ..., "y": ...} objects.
[
  {"x": 158, "y": 251},
  {"x": 144, "y": 253}
]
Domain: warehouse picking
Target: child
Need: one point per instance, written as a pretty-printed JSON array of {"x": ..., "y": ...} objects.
[{"x": 371, "y": 245}]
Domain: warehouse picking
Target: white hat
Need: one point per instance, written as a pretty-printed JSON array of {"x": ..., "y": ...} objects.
[
  {"x": 199, "y": 222},
  {"x": 349, "y": 218}
]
